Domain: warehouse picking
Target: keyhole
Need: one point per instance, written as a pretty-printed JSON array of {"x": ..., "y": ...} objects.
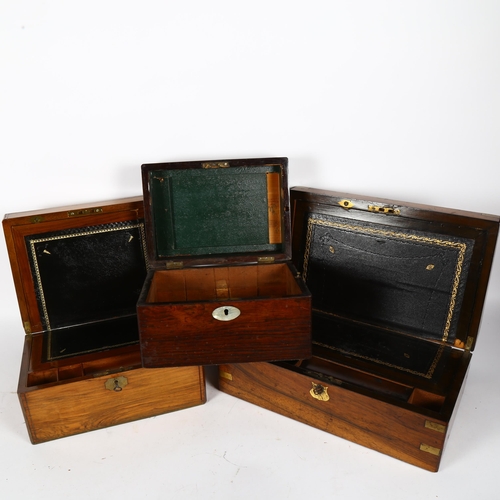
[
  {"x": 117, "y": 387},
  {"x": 318, "y": 389},
  {"x": 225, "y": 313}
]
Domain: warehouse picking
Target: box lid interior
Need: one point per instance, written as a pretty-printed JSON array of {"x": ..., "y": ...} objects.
[
  {"x": 217, "y": 211},
  {"x": 78, "y": 278},
  {"x": 401, "y": 268}
]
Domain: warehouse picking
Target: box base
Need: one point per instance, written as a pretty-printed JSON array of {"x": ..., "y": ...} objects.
[
  {"x": 89, "y": 393},
  {"x": 401, "y": 426},
  {"x": 227, "y": 314}
]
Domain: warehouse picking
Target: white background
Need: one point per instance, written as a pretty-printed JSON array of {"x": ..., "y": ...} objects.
[{"x": 398, "y": 99}]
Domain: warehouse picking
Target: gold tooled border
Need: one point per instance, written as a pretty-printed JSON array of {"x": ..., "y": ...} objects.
[
  {"x": 461, "y": 247},
  {"x": 38, "y": 277}
]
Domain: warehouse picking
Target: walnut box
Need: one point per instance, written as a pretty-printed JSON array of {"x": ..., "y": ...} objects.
[
  {"x": 222, "y": 286},
  {"x": 78, "y": 272},
  {"x": 397, "y": 295}
]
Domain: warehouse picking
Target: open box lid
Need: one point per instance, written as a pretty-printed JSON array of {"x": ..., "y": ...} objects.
[
  {"x": 216, "y": 212},
  {"x": 75, "y": 270},
  {"x": 413, "y": 269}
]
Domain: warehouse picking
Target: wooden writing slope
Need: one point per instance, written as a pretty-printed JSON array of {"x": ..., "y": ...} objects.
[
  {"x": 397, "y": 295},
  {"x": 78, "y": 272}
]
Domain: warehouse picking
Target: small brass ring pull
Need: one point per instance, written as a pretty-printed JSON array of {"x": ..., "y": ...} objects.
[
  {"x": 226, "y": 313},
  {"x": 116, "y": 384},
  {"x": 319, "y": 392}
]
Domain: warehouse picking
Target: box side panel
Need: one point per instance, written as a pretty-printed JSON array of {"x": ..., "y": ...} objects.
[
  {"x": 73, "y": 408},
  {"x": 187, "y": 334},
  {"x": 376, "y": 424}
]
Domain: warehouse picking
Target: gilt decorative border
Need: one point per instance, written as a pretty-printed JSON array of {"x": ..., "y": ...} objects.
[
  {"x": 94, "y": 230},
  {"x": 420, "y": 239}
]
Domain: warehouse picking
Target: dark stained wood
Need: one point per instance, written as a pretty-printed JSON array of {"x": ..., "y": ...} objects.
[
  {"x": 395, "y": 430},
  {"x": 175, "y": 308},
  {"x": 274, "y": 322},
  {"x": 374, "y": 401}
]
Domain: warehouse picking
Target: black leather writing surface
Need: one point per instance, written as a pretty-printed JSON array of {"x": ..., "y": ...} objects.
[
  {"x": 388, "y": 349},
  {"x": 88, "y": 276},
  {"x": 89, "y": 337},
  {"x": 403, "y": 280}
]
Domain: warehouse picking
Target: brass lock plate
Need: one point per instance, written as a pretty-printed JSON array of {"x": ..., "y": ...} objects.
[{"x": 319, "y": 392}]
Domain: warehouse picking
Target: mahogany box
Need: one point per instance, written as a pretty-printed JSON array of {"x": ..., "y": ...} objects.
[
  {"x": 397, "y": 295},
  {"x": 78, "y": 272},
  {"x": 222, "y": 287}
]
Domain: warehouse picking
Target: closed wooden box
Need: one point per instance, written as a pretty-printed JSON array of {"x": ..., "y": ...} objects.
[
  {"x": 78, "y": 272},
  {"x": 222, "y": 286},
  {"x": 397, "y": 293}
]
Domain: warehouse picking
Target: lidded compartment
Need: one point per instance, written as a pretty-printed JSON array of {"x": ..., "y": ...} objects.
[
  {"x": 397, "y": 292},
  {"x": 222, "y": 287}
]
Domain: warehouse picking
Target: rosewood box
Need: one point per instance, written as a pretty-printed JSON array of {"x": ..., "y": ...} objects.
[
  {"x": 397, "y": 295},
  {"x": 78, "y": 272},
  {"x": 222, "y": 287}
]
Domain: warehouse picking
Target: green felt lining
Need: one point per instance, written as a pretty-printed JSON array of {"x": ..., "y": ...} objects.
[{"x": 211, "y": 211}]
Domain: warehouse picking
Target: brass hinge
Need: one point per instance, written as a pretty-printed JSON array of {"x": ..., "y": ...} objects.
[
  {"x": 175, "y": 264},
  {"x": 215, "y": 164},
  {"x": 27, "y": 327},
  {"x": 85, "y": 211},
  {"x": 386, "y": 209},
  {"x": 265, "y": 260}
]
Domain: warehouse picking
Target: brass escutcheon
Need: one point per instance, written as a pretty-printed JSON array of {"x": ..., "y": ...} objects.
[
  {"x": 319, "y": 392},
  {"x": 116, "y": 384}
]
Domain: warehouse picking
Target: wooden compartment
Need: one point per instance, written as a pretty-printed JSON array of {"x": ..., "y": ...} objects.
[
  {"x": 78, "y": 272},
  {"x": 213, "y": 283},
  {"x": 222, "y": 287}
]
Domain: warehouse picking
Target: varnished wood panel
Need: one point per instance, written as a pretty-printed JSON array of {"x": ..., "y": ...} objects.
[
  {"x": 390, "y": 429},
  {"x": 187, "y": 334},
  {"x": 79, "y": 406},
  {"x": 66, "y": 396}
]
